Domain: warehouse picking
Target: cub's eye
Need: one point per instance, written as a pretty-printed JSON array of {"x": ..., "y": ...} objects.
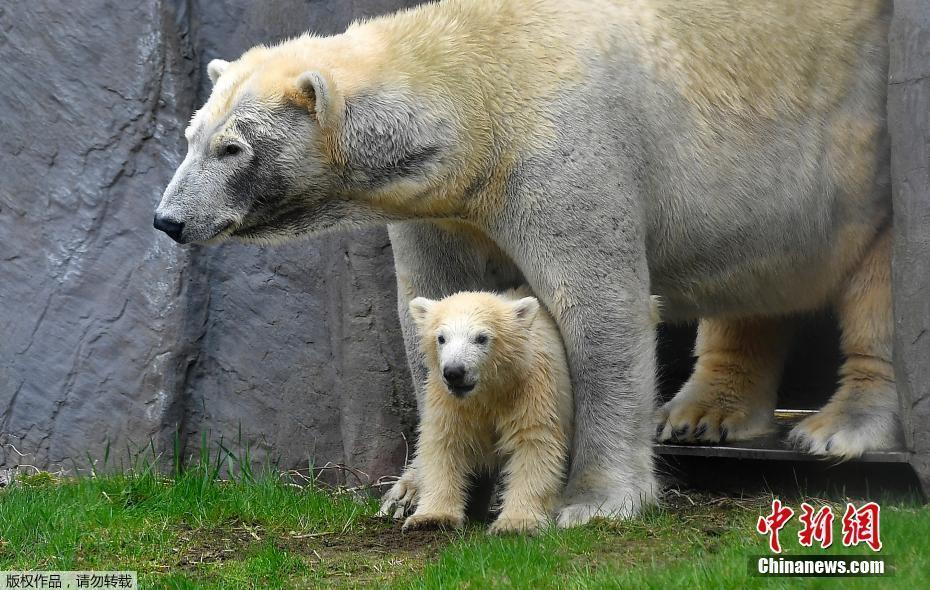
[
  {"x": 441, "y": 339},
  {"x": 230, "y": 149},
  {"x": 481, "y": 339}
]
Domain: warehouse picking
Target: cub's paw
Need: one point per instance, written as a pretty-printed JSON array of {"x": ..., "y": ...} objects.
[
  {"x": 401, "y": 499},
  {"x": 432, "y": 521},
  {"x": 717, "y": 408},
  {"x": 517, "y": 524},
  {"x": 851, "y": 423}
]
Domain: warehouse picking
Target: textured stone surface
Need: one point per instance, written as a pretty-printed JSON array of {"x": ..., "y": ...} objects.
[
  {"x": 92, "y": 95},
  {"x": 109, "y": 333},
  {"x": 909, "y": 125}
]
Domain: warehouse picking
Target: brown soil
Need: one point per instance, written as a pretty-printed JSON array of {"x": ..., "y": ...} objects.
[{"x": 376, "y": 536}]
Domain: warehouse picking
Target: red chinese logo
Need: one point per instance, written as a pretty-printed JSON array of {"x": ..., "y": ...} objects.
[
  {"x": 861, "y": 526},
  {"x": 774, "y": 523},
  {"x": 817, "y": 526}
]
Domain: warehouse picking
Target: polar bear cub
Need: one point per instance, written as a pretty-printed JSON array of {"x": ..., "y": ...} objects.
[{"x": 498, "y": 394}]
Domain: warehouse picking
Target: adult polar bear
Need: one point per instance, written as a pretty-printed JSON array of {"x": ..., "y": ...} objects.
[{"x": 731, "y": 158}]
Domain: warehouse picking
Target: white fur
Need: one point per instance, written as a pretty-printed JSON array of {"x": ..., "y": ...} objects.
[{"x": 519, "y": 414}]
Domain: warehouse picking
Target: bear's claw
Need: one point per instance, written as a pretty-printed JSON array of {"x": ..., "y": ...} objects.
[
  {"x": 516, "y": 525},
  {"x": 402, "y": 498},
  {"x": 425, "y": 522},
  {"x": 848, "y": 427}
]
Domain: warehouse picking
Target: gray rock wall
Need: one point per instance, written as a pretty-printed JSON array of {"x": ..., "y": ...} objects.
[
  {"x": 909, "y": 126},
  {"x": 111, "y": 334}
]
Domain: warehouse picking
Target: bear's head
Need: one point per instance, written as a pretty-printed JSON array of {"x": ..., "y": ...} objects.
[
  {"x": 475, "y": 341},
  {"x": 292, "y": 144}
]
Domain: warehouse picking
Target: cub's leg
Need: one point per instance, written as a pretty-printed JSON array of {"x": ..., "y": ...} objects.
[
  {"x": 433, "y": 260},
  {"x": 863, "y": 413},
  {"x": 535, "y": 470},
  {"x": 445, "y": 458},
  {"x": 534, "y": 477},
  {"x": 732, "y": 393}
]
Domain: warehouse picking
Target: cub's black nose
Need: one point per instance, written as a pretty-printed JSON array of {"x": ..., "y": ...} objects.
[
  {"x": 454, "y": 374},
  {"x": 169, "y": 226}
]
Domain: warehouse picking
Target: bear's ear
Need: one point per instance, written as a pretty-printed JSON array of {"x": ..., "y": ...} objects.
[
  {"x": 420, "y": 308},
  {"x": 216, "y": 68},
  {"x": 526, "y": 309},
  {"x": 319, "y": 92}
]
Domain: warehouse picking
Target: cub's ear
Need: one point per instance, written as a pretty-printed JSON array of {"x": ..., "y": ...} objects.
[
  {"x": 216, "y": 68},
  {"x": 420, "y": 308},
  {"x": 319, "y": 92},
  {"x": 526, "y": 309}
]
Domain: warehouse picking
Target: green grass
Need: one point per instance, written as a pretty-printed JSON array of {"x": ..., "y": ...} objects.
[{"x": 193, "y": 531}]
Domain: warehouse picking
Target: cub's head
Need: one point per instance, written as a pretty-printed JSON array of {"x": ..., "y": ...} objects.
[
  {"x": 474, "y": 341},
  {"x": 300, "y": 139}
]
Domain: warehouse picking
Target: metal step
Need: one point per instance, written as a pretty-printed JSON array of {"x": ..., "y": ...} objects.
[{"x": 773, "y": 447}]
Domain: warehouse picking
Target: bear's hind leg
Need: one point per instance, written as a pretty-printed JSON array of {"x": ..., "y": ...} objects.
[
  {"x": 863, "y": 413},
  {"x": 732, "y": 393}
]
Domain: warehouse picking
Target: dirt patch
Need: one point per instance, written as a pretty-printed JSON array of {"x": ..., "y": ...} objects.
[
  {"x": 370, "y": 556},
  {"x": 376, "y": 539},
  {"x": 231, "y": 541},
  {"x": 387, "y": 537}
]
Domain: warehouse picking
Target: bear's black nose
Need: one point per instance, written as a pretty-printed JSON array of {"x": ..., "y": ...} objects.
[
  {"x": 454, "y": 374},
  {"x": 169, "y": 226}
]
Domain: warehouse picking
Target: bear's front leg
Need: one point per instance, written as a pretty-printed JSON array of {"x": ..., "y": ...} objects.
[
  {"x": 441, "y": 478},
  {"x": 612, "y": 360},
  {"x": 443, "y": 465},
  {"x": 533, "y": 479},
  {"x": 535, "y": 440},
  {"x": 584, "y": 256}
]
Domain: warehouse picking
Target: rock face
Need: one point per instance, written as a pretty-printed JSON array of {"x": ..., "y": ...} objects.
[
  {"x": 909, "y": 126},
  {"x": 110, "y": 335}
]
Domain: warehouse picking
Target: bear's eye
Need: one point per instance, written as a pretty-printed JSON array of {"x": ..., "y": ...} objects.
[
  {"x": 441, "y": 339},
  {"x": 230, "y": 149},
  {"x": 481, "y": 339}
]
